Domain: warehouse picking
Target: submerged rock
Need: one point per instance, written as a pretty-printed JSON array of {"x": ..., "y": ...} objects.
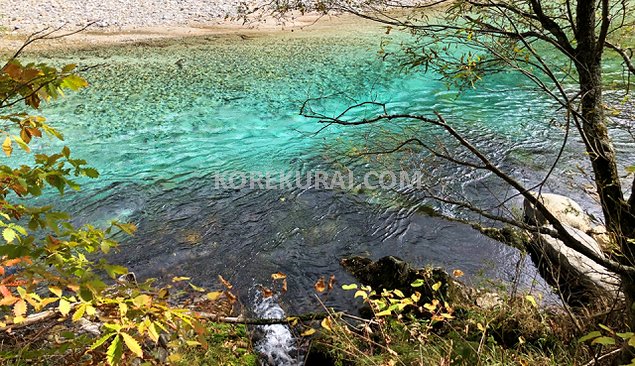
[{"x": 392, "y": 273}]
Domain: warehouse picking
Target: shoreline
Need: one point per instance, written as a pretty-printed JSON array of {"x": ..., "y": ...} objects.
[{"x": 91, "y": 37}]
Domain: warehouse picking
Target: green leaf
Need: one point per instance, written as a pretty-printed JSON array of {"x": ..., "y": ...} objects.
[
  {"x": 74, "y": 82},
  {"x": 605, "y": 341},
  {"x": 114, "y": 270},
  {"x": 384, "y": 313},
  {"x": 626, "y": 335},
  {"x": 91, "y": 172},
  {"x": 418, "y": 283},
  {"x": 115, "y": 351},
  {"x": 589, "y": 336},
  {"x": 606, "y": 328},
  {"x": 132, "y": 344},
  {"x": 9, "y": 235}
]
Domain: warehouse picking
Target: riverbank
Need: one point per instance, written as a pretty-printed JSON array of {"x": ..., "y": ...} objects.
[{"x": 95, "y": 36}]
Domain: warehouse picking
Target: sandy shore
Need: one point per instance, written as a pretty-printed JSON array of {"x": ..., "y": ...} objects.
[{"x": 129, "y": 21}]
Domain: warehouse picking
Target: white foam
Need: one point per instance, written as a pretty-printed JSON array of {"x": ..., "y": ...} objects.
[{"x": 277, "y": 345}]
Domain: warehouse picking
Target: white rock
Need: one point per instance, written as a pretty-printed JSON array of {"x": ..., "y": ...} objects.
[
  {"x": 563, "y": 208},
  {"x": 576, "y": 266}
]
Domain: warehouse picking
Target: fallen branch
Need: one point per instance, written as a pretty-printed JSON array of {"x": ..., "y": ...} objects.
[{"x": 241, "y": 319}]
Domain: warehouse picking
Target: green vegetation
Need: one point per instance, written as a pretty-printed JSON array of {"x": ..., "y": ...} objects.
[
  {"x": 226, "y": 345},
  {"x": 457, "y": 331},
  {"x": 61, "y": 303}
]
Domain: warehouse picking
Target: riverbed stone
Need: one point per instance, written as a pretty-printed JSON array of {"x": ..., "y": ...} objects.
[{"x": 566, "y": 210}]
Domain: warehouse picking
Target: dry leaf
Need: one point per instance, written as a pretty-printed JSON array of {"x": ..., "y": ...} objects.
[
  {"x": 331, "y": 282},
  {"x": 225, "y": 282},
  {"x": 266, "y": 292},
  {"x": 232, "y": 298},
  {"x": 458, "y": 273},
  {"x": 320, "y": 286},
  {"x": 284, "y": 285}
]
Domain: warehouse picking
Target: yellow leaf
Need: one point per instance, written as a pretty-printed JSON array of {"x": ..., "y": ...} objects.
[
  {"x": 279, "y": 276},
  {"x": 56, "y": 291},
  {"x": 79, "y": 313},
  {"x": 152, "y": 333},
  {"x": 213, "y": 296},
  {"x": 436, "y": 286},
  {"x": 6, "y": 146},
  {"x": 123, "y": 309},
  {"x": 531, "y": 300},
  {"x": 362, "y": 294},
  {"x": 175, "y": 357},
  {"x": 19, "y": 308},
  {"x": 64, "y": 307},
  {"x": 132, "y": 344},
  {"x": 180, "y": 279},
  {"x": 308, "y": 332},
  {"x": 9, "y": 235},
  {"x": 9, "y": 300},
  {"x": 326, "y": 324},
  {"x": 142, "y": 300},
  {"x": 90, "y": 310},
  {"x": 196, "y": 288}
]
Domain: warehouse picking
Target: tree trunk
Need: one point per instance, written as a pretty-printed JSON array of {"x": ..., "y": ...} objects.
[{"x": 618, "y": 214}]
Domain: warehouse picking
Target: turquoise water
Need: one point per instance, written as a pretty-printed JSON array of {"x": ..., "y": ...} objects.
[{"x": 161, "y": 118}]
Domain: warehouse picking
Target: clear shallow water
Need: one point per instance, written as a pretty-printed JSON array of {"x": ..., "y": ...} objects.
[{"x": 157, "y": 131}]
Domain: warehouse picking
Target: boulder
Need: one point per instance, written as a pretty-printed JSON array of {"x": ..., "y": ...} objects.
[
  {"x": 392, "y": 273},
  {"x": 563, "y": 208},
  {"x": 580, "y": 279}
]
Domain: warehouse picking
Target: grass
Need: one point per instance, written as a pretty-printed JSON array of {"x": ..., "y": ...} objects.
[
  {"x": 516, "y": 332},
  {"x": 228, "y": 345}
]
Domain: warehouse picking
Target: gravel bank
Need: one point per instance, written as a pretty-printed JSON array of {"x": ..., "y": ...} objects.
[{"x": 29, "y": 15}]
